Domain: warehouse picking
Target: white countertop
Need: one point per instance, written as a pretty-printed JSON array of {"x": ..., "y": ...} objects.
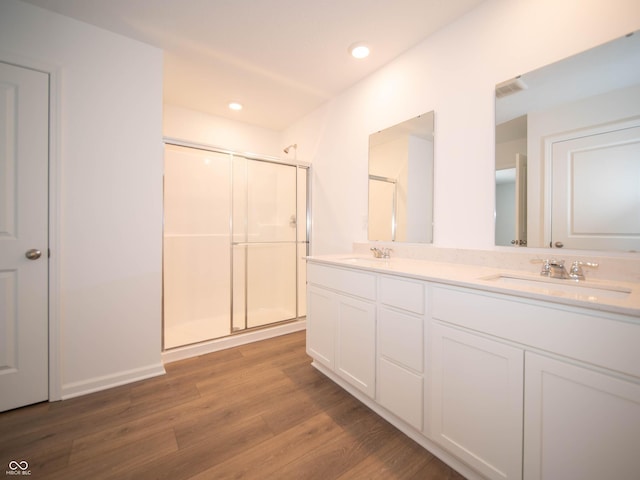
[{"x": 605, "y": 296}]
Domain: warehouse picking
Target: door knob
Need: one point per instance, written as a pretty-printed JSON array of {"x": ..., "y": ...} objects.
[
  {"x": 559, "y": 244},
  {"x": 33, "y": 254}
]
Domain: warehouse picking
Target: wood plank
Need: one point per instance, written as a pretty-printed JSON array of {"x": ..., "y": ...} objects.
[
  {"x": 220, "y": 444},
  {"x": 262, "y": 460},
  {"x": 256, "y": 411}
]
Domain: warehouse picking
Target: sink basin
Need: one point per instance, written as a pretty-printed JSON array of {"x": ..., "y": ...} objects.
[
  {"x": 367, "y": 261},
  {"x": 551, "y": 286}
]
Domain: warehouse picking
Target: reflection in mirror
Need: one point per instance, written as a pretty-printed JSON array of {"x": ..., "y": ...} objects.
[
  {"x": 401, "y": 182},
  {"x": 568, "y": 152}
]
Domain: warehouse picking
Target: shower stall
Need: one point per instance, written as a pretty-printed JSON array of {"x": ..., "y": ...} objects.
[{"x": 235, "y": 236}]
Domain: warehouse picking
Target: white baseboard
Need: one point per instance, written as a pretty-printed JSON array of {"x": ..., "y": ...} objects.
[
  {"x": 92, "y": 385},
  {"x": 189, "y": 351}
]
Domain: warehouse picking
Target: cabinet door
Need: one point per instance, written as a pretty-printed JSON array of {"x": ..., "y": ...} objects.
[
  {"x": 321, "y": 316},
  {"x": 579, "y": 423},
  {"x": 355, "y": 354},
  {"x": 476, "y": 400}
]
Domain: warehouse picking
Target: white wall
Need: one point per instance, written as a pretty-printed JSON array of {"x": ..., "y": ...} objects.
[
  {"x": 454, "y": 73},
  {"x": 108, "y": 160},
  {"x": 420, "y": 198},
  {"x": 506, "y": 152},
  {"x": 198, "y": 127}
]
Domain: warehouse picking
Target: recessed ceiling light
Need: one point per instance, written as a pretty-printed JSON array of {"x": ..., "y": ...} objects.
[
  {"x": 235, "y": 106},
  {"x": 359, "y": 50}
]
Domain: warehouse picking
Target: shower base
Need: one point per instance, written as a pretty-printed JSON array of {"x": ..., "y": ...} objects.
[{"x": 203, "y": 329}]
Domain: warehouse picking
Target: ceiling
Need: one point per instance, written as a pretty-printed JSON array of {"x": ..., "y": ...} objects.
[{"x": 280, "y": 58}]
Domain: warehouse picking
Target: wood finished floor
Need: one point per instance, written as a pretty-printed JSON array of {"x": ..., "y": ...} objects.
[{"x": 258, "y": 411}]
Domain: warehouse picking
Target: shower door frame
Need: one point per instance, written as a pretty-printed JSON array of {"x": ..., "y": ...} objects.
[
  {"x": 247, "y": 244},
  {"x": 394, "y": 201},
  {"x": 307, "y": 229}
]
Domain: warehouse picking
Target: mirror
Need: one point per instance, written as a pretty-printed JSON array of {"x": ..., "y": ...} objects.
[
  {"x": 401, "y": 182},
  {"x": 568, "y": 152}
]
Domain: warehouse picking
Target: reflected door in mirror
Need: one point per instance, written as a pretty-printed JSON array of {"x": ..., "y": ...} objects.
[
  {"x": 596, "y": 191},
  {"x": 511, "y": 204}
]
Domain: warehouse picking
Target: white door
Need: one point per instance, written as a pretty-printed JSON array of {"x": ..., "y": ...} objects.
[
  {"x": 596, "y": 191},
  {"x": 24, "y": 109},
  {"x": 521, "y": 199},
  {"x": 511, "y": 204}
]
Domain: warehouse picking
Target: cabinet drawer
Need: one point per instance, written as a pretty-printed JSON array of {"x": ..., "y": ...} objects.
[
  {"x": 352, "y": 282},
  {"x": 608, "y": 340},
  {"x": 400, "y": 338},
  {"x": 404, "y": 294},
  {"x": 400, "y": 392}
]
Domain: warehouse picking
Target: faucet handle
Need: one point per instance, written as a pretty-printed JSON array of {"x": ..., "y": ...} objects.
[
  {"x": 546, "y": 265},
  {"x": 576, "y": 271},
  {"x": 586, "y": 264}
]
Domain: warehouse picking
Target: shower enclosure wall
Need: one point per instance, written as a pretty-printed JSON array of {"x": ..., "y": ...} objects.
[{"x": 235, "y": 234}]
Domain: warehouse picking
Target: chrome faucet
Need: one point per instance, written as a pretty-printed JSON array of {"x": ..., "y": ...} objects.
[
  {"x": 576, "y": 271},
  {"x": 381, "y": 252},
  {"x": 555, "y": 269}
]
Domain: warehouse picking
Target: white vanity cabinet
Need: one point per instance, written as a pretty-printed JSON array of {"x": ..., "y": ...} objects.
[
  {"x": 341, "y": 323},
  {"x": 500, "y": 386},
  {"x": 579, "y": 422},
  {"x": 369, "y": 329},
  {"x": 567, "y": 380},
  {"x": 400, "y": 359},
  {"x": 476, "y": 400}
]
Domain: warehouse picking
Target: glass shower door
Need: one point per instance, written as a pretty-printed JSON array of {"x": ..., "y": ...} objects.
[
  {"x": 303, "y": 225},
  {"x": 197, "y": 258},
  {"x": 264, "y": 243},
  {"x": 235, "y": 237}
]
